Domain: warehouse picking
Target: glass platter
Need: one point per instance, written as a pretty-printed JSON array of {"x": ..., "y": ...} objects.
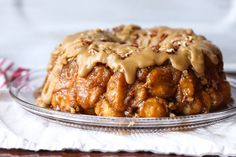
[{"x": 23, "y": 90}]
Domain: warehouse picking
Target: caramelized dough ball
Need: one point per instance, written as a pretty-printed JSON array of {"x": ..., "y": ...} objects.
[
  {"x": 153, "y": 107},
  {"x": 188, "y": 101},
  {"x": 137, "y": 93},
  {"x": 87, "y": 97},
  {"x": 194, "y": 107},
  {"x": 187, "y": 86},
  {"x": 103, "y": 108},
  {"x": 64, "y": 100},
  {"x": 162, "y": 81},
  {"x": 64, "y": 95},
  {"x": 216, "y": 98},
  {"x": 220, "y": 97},
  {"x": 135, "y": 96},
  {"x": 116, "y": 91},
  {"x": 91, "y": 88},
  {"x": 99, "y": 76}
]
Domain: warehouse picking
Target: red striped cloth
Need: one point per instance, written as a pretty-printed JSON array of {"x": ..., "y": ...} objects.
[{"x": 9, "y": 71}]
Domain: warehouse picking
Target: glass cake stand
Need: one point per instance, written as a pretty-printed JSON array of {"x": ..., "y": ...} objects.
[{"x": 23, "y": 91}]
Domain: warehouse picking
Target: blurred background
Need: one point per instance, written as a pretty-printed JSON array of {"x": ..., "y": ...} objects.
[{"x": 31, "y": 29}]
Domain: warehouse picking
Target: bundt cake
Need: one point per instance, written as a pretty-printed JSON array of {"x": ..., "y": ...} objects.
[{"x": 133, "y": 72}]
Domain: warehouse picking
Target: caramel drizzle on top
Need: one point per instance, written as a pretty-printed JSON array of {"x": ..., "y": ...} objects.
[{"x": 127, "y": 48}]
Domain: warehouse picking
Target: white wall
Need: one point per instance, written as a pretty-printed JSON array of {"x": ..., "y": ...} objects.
[{"x": 30, "y": 29}]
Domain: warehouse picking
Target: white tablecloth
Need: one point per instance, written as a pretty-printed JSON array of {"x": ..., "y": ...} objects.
[{"x": 21, "y": 129}]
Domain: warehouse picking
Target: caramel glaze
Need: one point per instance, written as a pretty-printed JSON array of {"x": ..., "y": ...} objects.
[{"x": 127, "y": 48}]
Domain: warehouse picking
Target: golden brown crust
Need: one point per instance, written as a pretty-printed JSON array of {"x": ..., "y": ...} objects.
[{"x": 165, "y": 90}]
